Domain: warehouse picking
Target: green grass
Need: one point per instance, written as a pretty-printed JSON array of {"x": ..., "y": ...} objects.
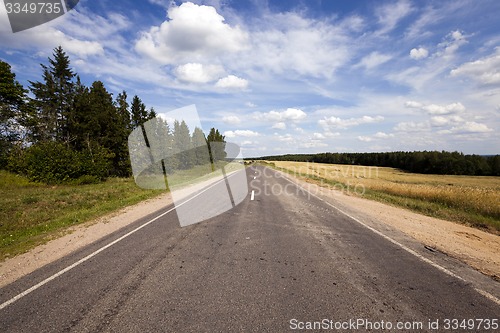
[{"x": 32, "y": 213}]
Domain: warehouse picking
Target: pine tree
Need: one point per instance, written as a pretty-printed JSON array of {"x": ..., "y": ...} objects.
[
  {"x": 138, "y": 112},
  {"x": 183, "y": 145},
  {"x": 216, "y": 144},
  {"x": 54, "y": 99},
  {"x": 12, "y": 106},
  {"x": 202, "y": 155}
]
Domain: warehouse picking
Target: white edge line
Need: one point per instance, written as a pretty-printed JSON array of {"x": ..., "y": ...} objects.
[
  {"x": 252, "y": 196},
  {"x": 407, "y": 249},
  {"x": 93, "y": 254}
]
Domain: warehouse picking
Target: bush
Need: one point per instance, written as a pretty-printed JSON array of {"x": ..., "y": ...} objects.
[{"x": 53, "y": 162}]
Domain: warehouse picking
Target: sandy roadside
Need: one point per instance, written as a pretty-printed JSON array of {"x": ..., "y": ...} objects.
[
  {"x": 478, "y": 249},
  {"x": 77, "y": 237}
]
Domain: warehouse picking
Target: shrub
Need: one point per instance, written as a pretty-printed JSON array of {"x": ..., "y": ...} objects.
[{"x": 53, "y": 162}]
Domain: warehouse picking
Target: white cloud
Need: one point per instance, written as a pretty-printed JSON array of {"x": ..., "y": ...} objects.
[
  {"x": 440, "y": 121},
  {"x": 198, "y": 73},
  {"x": 484, "y": 71},
  {"x": 191, "y": 33},
  {"x": 411, "y": 126},
  {"x": 287, "y": 43},
  {"x": 413, "y": 104},
  {"x": 232, "y": 82},
  {"x": 365, "y": 138},
  {"x": 419, "y": 53},
  {"x": 319, "y": 136},
  {"x": 280, "y": 125},
  {"x": 468, "y": 127},
  {"x": 232, "y": 120},
  {"x": 435, "y": 109},
  {"x": 373, "y": 60},
  {"x": 453, "y": 41},
  {"x": 290, "y": 114},
  {"x": 243, "y": 133},
  {"x": 345, "y": 123},
  {"x": 391, "y": 14},
  {"x": 382, "y": 135}
]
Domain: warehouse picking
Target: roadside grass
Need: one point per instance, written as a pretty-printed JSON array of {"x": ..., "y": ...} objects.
[
  {"x": 33, "y": 213},
  {"x": 469, "y": 200}
]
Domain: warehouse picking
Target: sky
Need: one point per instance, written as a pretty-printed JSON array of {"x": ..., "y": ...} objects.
[{"x": 280, "y": 77}]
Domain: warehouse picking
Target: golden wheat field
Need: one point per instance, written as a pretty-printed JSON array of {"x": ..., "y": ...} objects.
[{"x": 468, "y": 199}]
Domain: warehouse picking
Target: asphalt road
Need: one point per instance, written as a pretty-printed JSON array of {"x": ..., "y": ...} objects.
[{"x": 270, "y": 264}]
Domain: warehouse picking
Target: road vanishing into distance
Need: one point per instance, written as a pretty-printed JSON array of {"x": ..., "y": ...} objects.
[{"x": 279, "y": 261}]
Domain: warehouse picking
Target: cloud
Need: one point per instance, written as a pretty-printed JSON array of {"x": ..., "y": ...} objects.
[
  {"x": 382, "y": 135},
  {"x": 453, "y": 41},
  {"x": 365, "y": 138},
  {"x": 435, "y": 109},
  {"x": 243, "y": 133},
  {"x": 198, "y": 73},
  {"x": 289, "y": 114},
  {"x": 319, "y": 136},
  {"x": 373, "y": 60},
  {"x": 419, "y": 53},
  {"x": 411, "y": 126},
  {"x": 232, "y": 120},
  {"x": 232, "y": 82},
  {"x": 440, "y": 121},
  {"x": 376, "y": 136},
  {"x": 391, "y": 14},
  {"x": 485, "y": 71},
  {"x": 192, "y": 33},
  {"x": 345, "y": 123},
  {"x": 468, "y": 127},
  {"x": 280, "y": 125}
]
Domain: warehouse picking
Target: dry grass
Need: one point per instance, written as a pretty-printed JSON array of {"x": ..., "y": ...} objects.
[{"x": 467, "y": 199}]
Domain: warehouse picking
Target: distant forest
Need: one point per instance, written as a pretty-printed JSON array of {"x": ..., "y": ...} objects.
[
  {"x": 65, "y": 131},
  {"x": 428, "y": 162}
]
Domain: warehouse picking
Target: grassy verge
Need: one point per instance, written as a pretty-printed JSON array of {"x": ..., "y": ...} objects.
[
  {"x": 465, "y": 199},
  {"x": 32, "y": 213}
]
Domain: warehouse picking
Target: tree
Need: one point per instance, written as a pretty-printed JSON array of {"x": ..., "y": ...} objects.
[
  {"x": 199, "y": 141},
  {"x": 12, "y": 104},
  {"x": 183, "y": 145},
  {"x": 216, "y": 145},
  {"x": 54, "y": 99}
]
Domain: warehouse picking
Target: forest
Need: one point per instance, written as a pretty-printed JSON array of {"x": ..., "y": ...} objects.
[
  {"x": 426, "y": 162},
  {"x": 60, "y": 130}
]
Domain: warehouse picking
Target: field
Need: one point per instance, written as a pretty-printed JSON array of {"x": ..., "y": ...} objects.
[
  {"x": 469, "y": 200},
  {"x": 32, "y": 213}
]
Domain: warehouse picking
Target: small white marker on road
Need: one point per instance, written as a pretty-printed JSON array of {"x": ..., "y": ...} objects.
[
  {"x": 254, "y": 177},
  {"x": 252, "y": 196}
]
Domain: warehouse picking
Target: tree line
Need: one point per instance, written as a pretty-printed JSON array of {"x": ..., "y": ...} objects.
[
  {"x": 59, "y": 129},
  {"x": 427, "y": 162}
]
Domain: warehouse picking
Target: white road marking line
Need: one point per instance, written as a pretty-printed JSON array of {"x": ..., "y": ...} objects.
[
  {"x": 93, "y": 254},
  {"x": 252, "y": 196},
  {"x": 407, "y": 249},
  {"x": 254, "y": 177}
]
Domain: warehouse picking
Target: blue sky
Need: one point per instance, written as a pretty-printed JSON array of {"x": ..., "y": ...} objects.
[{"x": 292, "y": 76}]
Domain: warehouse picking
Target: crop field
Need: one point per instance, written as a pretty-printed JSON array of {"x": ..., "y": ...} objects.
[{"x": 471, "y": 200}]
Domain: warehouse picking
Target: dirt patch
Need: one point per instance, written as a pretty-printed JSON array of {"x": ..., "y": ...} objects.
[
  {"x": 477, "y": 248},
  {"x": 77, "y": 237}
]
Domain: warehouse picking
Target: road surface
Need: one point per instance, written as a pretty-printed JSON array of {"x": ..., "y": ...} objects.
[{"x": 280, "y": 260}]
